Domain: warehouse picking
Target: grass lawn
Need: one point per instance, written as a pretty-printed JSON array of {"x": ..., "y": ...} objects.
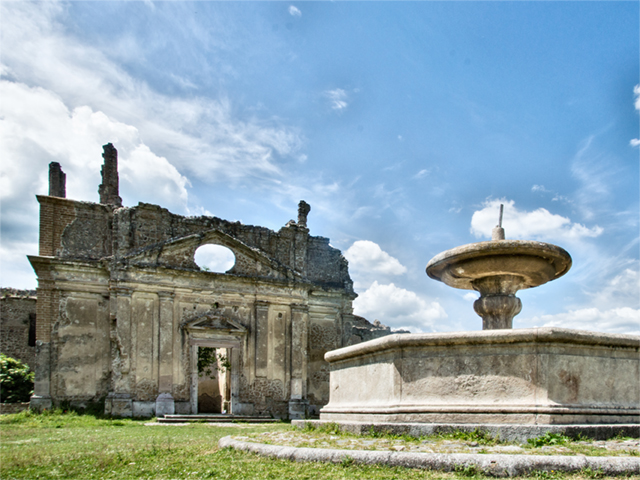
[{"x": 57, "y": 445}]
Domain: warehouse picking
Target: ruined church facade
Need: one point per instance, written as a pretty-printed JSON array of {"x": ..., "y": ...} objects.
[{"x": 123, "y": 309}]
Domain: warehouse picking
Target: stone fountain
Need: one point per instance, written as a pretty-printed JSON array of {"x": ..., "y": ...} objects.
[
  {"x": 498, "y": 269},
  {"x": 516, "y": 383}
]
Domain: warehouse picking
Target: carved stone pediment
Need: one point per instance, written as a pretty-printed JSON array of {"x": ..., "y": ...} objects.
[
  {"x": 214, "y": 321},
  {"x": 180, "y": 252}
]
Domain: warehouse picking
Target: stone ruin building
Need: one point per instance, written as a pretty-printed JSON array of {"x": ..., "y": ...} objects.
[
  {"x": 18, "y": 324},
  {"x": 123, "y": 309}
]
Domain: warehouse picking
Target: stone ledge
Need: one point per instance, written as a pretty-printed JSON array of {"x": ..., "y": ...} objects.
[
  {"x": 6, "y": 408},
  {"x": 506, "y": 432},
  {"x": 538, "y": 335},
  {"x": 497, "y": 465}
]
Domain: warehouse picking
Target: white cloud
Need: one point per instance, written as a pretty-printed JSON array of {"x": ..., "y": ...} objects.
[
  {"x": 636, "y": 92},
  {"x": 634, "y": 142},
  {"x": 616, "y": 320},
  {"x": 294, "y": 11},
  {"x": 397, "y": 307},
  {"x": 37, "y": 128},
  {"x": 215, "y": 258},
  {"x": 338, "y": 98},
  {"x": 538, "y": 224},
  {"x": 365, "y": 255}
]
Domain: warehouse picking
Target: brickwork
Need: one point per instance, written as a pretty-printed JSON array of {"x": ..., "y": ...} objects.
[
  {"x": 55, "y": 215},
  {"x": 17, "y": 314},
  {"x": 44, "y": 311}
]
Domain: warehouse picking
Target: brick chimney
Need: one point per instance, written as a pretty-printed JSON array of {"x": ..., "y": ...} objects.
[
  {"x": 109, "y": 189},
  {"x": 57, "y": 181}
]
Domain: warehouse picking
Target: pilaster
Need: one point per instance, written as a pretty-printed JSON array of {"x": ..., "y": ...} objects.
[{"x": 299, "y": 360}]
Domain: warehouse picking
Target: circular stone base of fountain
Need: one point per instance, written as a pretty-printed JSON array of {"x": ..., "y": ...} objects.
[
  {"x": 507, "y": 433},
  {"x": 540, "y": 376}
]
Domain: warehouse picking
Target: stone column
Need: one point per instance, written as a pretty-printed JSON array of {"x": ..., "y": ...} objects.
[
  {"x": 165, "y": 404},
  {"x": 299, "y": 356},
  {"x": 118, "y": 402}
]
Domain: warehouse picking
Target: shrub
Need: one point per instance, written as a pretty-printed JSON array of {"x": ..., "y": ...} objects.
[
  {"x": 549, "y": 439},
  {"x": 16, "y": 380}
]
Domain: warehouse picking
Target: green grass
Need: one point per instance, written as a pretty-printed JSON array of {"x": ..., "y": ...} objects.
[
  {"x": 549, "y": 439},
  {"x": 73, "y": 446},
  {"x": 478, "y": 436}
]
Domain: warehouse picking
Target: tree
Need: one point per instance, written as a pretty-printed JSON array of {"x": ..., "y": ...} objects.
[{"x": 16, "y": 380}]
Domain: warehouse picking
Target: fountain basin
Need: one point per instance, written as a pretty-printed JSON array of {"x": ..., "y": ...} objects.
[
  {"x": 498, "y": 269},
  {"x": 531, "y": 263},
  {"x": 525, "y": 376}
]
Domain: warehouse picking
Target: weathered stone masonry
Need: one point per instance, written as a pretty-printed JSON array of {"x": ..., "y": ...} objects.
[
  {"x": 17, "y": 324},
  {"x": 122, "y": 307}
]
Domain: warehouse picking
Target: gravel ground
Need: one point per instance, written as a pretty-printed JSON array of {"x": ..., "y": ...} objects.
[{"x": 300, "y": 439}]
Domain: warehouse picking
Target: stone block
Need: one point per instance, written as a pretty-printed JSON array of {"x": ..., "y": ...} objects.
[
  {"x": 165, "y": 405},
  {"x": 297, "y": 409},
  {"x": 118, "y": 405},
  {"x": 144, "y": 409}
]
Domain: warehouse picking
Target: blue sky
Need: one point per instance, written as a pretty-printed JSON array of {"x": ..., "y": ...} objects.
[{"x": 403, "y": 124}]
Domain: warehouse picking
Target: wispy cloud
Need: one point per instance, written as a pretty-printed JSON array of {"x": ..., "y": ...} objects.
[
  {"x": 337, "y": 98},
  {"x": 539, "y": 188},
  {"x": 201, "y": 136},
  {"x": 294, "y": 11},
  {"x": 421, "y": 174},
  {"x": 556, "y": 196},
  {"x": 636, "y": 91}
]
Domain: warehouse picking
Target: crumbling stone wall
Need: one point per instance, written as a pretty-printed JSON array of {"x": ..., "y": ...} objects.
[
  {"x": 17, "y": 318},
  {"x": 123, "y": 308},
  {"x": 363, "y": 330}
]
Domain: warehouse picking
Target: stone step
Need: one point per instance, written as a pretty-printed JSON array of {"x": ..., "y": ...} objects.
[{"x": 215, "y": 418}]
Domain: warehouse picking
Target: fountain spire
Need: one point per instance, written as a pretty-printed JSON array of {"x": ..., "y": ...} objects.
[{"x": 498, "y": 232}]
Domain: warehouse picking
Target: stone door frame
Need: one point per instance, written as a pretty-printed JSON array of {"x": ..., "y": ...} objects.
[{"x": 233, "y": 344}]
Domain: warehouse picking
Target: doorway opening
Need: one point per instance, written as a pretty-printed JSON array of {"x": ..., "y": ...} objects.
[{"x": 214, "y": 380}]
